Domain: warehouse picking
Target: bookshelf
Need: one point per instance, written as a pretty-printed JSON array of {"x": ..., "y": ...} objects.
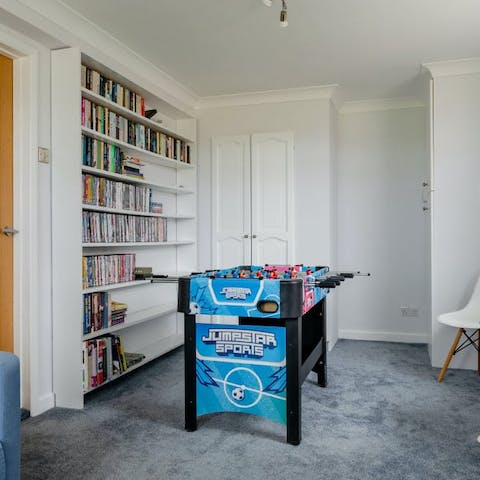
[{"x": 151, "y": 326}]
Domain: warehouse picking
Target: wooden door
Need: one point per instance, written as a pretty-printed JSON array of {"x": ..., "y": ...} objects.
[
  {"x": 231, "y": 225},
  {"x": 6, "y": 203},
  {"x": 272, "y": 198}
]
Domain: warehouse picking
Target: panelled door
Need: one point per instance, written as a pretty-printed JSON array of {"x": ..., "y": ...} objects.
[
  {"x": 252, "y": 199},
  {"x": 6, "y": 203},
  {"x": 231, "y": 201}
]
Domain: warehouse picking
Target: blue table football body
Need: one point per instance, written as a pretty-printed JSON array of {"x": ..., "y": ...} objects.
[{"x": 258, "y": 364}]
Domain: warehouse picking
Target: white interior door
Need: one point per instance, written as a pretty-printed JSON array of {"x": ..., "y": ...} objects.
[
  {"x": 272, "y": 198},
  {"x": 231, "y": 225}
]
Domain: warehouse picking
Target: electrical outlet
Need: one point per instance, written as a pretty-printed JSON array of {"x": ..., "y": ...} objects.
[
  {"x": 43, "y": 155},
  {"x": 409, "y": 311}
]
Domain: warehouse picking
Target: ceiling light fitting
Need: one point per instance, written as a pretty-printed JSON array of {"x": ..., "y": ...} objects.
[{"x": 283, "y": 12}]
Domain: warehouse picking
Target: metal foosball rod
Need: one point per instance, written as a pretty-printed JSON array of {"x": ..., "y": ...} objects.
[{"x": 332, "y": 281}]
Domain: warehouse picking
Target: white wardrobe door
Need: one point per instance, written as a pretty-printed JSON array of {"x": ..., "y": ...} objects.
[
  {"x": 272, "y": 198},
  {"x": 231, "y": 201}
]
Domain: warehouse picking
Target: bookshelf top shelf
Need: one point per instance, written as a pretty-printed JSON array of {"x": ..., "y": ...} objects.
[
  {"x": 136, "y": 151},
  {"x": 133, "y": 116}
]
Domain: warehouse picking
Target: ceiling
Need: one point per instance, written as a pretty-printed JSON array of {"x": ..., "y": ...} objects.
[{"x": 371, "y": 48}]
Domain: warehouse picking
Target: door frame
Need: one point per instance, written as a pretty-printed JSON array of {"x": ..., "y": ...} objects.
[{"x": 25, "y": 56}]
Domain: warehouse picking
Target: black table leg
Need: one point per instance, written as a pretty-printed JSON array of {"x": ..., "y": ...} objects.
[
  {"x": 321, "y": 366},
  {"x": 294, "y": 395},
  {"x": 190, "y": 374}
]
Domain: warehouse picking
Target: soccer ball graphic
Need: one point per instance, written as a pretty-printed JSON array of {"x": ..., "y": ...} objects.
[
  {"x": 238, "y": 394},
  {"x": 194, "y": 308}
]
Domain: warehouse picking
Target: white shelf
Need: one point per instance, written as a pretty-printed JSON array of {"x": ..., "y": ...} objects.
[
  {"x": 137, "y": 244},
  {"x": 127, "y": 113},
  {"x": 133, "y": 150},
  {"x": 151, "y": 352},
  {"x": 135, "y": 318},
  {"x": 115, "y": 286},
  {"x": 119, "y": 211},
  {"x": 135, "y": 181}
]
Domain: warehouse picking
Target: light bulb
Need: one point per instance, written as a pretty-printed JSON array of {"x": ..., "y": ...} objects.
[{"x": 267, "y": 3}]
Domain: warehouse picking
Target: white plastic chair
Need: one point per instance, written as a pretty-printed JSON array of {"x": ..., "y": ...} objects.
[{"x": 467, "y": 318}]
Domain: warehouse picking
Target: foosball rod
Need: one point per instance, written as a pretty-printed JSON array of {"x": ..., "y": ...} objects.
[{"x": 332, "y": 281}]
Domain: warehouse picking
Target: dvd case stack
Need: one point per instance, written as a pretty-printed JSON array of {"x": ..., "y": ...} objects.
[{"x": 99, "y": 270}]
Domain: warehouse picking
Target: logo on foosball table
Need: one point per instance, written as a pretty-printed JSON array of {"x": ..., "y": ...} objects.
[
  {"x": 240, "y": 343},
  {"x": 236, "y": 293}
]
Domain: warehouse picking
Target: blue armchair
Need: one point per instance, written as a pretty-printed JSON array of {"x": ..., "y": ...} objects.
[{"x": 9, "y": 417}]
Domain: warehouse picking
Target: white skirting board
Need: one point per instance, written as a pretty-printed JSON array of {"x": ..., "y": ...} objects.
[
  {"x": 383, "y": 336},
  {"x": 42, "y": 404}
]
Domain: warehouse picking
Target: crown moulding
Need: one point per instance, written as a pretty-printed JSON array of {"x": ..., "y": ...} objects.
[
  {"x": 464, "y": 66},
  {"x": 268, "y": 96},
  {"x": 380, "y": 104}
]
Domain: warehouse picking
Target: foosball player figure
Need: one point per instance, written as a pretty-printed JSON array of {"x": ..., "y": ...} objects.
[
  {"x": 243, "y": 274},
  {"x": 273, "y": 274}
]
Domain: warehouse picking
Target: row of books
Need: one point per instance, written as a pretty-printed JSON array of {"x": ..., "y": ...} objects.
[
  {"x": 112, "y": 227},
  {"x": 103, "y": 120},
  {"x": 99, "y": 270},
  {"x": 100, "y": 312},
  {"x": 101, "y": 155},
  {"x": 104, "y": 359},
  {"x": 112, "y": 194},
  {"x": 111, "y": 90}
]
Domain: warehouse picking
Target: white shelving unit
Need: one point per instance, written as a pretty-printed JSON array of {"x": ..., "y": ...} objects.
[{"x": 152, "y": 326}]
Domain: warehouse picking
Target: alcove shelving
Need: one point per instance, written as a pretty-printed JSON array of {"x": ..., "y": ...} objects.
[{"x": 165, "y": 153}]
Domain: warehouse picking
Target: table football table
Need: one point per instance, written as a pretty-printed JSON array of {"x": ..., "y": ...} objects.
[{"x": 257, "y": 364}]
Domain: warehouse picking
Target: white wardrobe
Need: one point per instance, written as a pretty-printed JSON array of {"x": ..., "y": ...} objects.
[{"x": 252, "y": 199}]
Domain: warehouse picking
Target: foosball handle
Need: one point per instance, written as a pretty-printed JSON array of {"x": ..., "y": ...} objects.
[
  {"x": 326, "y": 284},
  {"x": 337, "y": 278},
  {"x": 347, "y": 275}
]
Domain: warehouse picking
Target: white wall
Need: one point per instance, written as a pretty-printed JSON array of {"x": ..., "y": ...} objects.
[
  {"x": 382, "y": 162},
  {"x": 311, "y": 125},
  {"x": 456, "y": 205}
]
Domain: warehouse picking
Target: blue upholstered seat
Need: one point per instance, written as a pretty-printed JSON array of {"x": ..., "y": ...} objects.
[{"x": 9, "y": 417}]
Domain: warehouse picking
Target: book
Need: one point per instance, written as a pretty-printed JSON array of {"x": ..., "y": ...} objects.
[{"x": 133, "y": 358}]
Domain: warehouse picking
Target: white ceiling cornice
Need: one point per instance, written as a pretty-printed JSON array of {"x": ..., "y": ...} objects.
[
  {"x": 464, "y": 66},
  {"x": 268, "y": 96},
  {"x": 72, "y": 29},
  {"x": 380, "y": 104}
]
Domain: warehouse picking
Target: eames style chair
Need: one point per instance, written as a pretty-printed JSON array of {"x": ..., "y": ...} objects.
[{"x": 464, "y": 320}]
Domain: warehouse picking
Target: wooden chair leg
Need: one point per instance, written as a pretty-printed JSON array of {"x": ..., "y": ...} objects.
[
  {"x": 450, "y": 355},
  {"x": 478, "y": 354}
]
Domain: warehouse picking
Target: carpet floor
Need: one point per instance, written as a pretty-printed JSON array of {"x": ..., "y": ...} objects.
[{"x": 381, "y": 417}]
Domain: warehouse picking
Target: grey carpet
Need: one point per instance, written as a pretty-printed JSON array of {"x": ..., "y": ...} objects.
[{"x": 381, "y": 417}]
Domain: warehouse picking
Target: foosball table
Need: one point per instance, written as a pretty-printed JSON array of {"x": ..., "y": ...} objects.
[{"x": 258, "y": 364}]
